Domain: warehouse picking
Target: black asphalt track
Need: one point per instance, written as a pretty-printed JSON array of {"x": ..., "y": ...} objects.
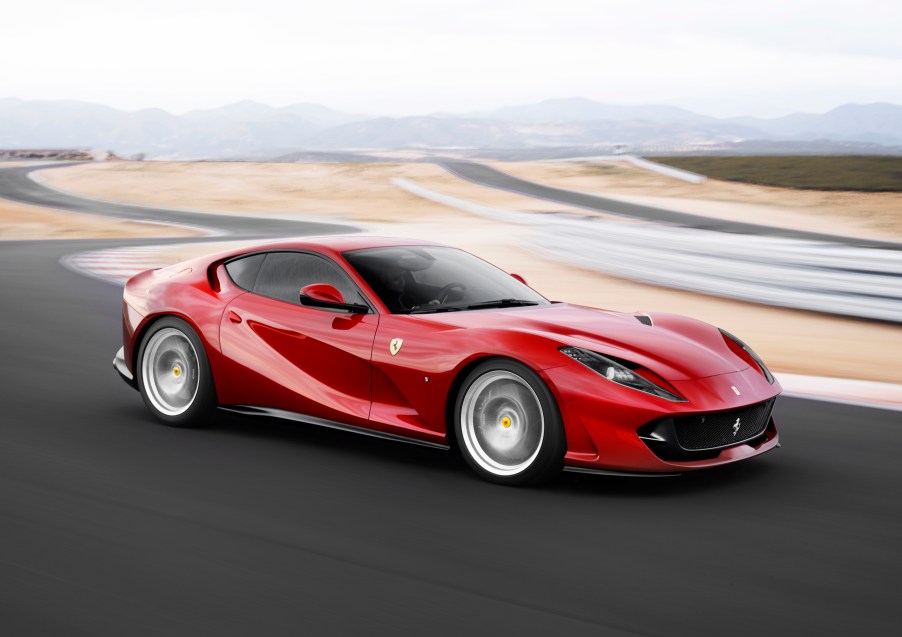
[
  {"x": 493, "y": 178},
  {"x": 111, "y": 524}
]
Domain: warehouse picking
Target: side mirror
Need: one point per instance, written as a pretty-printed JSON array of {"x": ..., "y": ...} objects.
[
  {"x": 327, "y": 296},
  {"x": 520, "y": 279},
  {"x": 322, "y": 292}
]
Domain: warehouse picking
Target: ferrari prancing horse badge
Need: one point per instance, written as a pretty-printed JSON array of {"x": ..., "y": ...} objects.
[{"x": 395, "y": 346}]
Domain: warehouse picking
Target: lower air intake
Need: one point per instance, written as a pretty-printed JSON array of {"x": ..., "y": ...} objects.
[{"x": 722, "y": 429}]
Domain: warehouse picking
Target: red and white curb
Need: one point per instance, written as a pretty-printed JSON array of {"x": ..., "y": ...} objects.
[{"x": 116, "y": 265}]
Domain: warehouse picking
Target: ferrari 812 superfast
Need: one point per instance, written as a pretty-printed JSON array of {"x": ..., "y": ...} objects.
[{"x": 424, "y": 343}]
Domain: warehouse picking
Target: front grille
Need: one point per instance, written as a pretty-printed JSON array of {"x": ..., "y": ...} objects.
[{"x": 723, "y": 428}]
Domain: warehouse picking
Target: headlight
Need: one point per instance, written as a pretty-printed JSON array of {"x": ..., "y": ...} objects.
[
  {"x": 618, "y": 373},
  {"x": 751, "y": 354}
]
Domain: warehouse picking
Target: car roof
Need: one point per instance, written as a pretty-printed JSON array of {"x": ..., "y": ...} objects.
[
  {"x": 335, "y": 243},
  {"x": 331, "y": 245}
]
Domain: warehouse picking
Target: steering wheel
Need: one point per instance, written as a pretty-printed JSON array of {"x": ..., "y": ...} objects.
[{"x": 445, "y": 292}]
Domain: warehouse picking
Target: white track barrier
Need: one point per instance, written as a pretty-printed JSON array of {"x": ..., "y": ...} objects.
[
  {"x": 822, "y": 277},
  {"x": 639, "y": 162},
  {"x": 670, "y": 171}
]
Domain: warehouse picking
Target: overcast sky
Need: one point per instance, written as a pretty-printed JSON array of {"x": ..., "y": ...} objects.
[{"x": 398, "y": 57}]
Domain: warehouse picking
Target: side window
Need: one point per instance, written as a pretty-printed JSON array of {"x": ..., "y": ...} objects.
[
  {"x": 244, "y": 271},
  {"x": 283, "y": 274}
]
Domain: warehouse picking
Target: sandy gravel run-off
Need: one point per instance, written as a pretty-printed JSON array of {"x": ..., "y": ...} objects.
[{"x": 23, "y": 222}]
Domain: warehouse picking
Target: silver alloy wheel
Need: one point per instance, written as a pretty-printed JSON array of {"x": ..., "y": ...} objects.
[
  {"x": 502, "y": 423},
  {"x": 170, "y": 371}
]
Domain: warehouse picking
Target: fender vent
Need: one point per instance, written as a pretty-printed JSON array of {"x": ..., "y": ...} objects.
[{"x": 645, "y": 319}]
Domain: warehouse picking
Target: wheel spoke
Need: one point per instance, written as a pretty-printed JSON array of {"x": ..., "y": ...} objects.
[
  {"x": 502, "y": 422},
  {"x": 170, "y": 371}
]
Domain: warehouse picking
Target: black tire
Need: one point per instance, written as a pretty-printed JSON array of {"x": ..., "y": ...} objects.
[
  {"x": 174, "y": 408},
  {"x": 524, "y": 443}
]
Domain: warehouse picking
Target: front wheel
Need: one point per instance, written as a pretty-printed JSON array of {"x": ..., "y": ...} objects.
[
  {"x": 508, "y": 424},
  {"x": 174, "y": 375}
]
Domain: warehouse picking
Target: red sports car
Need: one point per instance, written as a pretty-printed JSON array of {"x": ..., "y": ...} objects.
[{"x": 425, "y": 343}]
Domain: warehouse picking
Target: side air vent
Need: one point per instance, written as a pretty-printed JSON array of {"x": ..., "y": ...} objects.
[{"x": 643, "y": 318}]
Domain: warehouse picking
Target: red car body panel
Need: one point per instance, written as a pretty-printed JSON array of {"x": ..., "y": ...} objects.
[{"x": 339, "y": 366}]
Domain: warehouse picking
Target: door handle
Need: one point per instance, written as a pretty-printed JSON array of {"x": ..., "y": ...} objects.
[{"x": 234, "y": 317}]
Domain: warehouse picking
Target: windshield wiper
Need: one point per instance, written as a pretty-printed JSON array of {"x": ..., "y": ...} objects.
[
  {"x": 432, "y": 309},
  {"x": 501, "y": 303}
]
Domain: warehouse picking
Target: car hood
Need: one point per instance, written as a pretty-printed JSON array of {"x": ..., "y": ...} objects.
[{"x": 675, "y": 347}]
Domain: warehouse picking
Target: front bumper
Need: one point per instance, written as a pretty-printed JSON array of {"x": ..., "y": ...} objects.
[
  {"x": 703, "y": 436},
  {"x": 604, "y": 421},
  {"x": 120, "y": 366}
]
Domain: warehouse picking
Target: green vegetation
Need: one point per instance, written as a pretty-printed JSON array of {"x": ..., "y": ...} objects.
[{"x": 835, "y": 172}]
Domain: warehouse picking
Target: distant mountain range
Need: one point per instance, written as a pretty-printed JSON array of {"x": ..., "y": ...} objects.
[{"x": 252, "y": 130}]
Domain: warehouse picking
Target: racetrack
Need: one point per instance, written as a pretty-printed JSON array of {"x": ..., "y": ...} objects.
[
  {"x": 112, "y": 524},
  {"x": 16, "y": 184},
  {"x": 483, "y": 175}
]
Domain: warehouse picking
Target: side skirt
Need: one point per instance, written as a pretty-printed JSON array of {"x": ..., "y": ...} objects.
[{"x": 248, "y": 410}]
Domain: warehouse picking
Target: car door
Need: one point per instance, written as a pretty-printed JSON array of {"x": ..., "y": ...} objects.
[{"x": 283, "y": 355}]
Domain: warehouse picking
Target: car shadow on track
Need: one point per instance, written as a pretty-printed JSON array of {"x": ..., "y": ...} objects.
[
  {"x": 333, "y": 441},
  {"x": 356, "y": 454},
  {"x": 757, "y": 474},
  {"x": 353, "y": 449}
]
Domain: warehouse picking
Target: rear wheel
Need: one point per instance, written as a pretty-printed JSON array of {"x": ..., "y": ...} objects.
[
  {"x": 508, "y": 424},
  {"x": 174, "y": 375}
]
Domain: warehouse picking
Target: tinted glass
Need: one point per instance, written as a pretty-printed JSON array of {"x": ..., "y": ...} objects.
[
  {"x": 283, "y": 274},
  {"x": 244, "y": 271},
  {"x": 429, "y": 278}
]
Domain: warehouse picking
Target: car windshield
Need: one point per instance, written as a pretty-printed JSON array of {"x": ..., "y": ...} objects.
[{"x": 426, "y": 279}]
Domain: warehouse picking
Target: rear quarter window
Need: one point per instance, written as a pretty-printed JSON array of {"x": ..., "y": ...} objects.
[{"x": 244, "y": 271}]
